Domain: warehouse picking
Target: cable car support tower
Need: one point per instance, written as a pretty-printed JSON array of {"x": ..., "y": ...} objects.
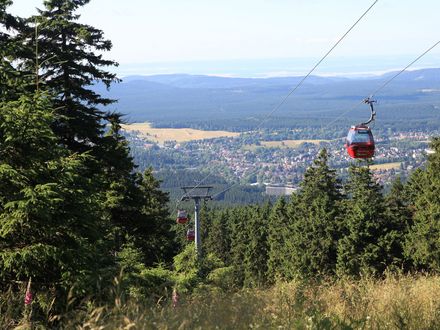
[{"x": 197, "y": 193}]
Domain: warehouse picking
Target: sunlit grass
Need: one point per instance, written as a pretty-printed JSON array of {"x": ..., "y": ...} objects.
[
  {"x": 396, "y": 302},
  {"x": 160, "y": 135},
  {"x": 386, "y": 166}
]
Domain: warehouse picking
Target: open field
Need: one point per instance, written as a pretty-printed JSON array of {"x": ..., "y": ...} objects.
[
  {"x": 160, "y": 135},
  {"x": 386, "y": 166}
]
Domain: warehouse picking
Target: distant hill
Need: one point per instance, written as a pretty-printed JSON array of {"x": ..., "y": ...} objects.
[{"x": 194, "y": 97}]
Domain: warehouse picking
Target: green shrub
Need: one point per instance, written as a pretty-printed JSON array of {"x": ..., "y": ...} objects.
[{"x": 222, "y": 278}]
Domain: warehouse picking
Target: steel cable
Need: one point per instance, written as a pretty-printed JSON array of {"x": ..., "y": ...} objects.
[{"x": 283, "y": 101}]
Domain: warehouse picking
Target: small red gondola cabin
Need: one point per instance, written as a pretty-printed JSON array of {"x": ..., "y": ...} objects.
[
  {"x": 190, "y": 235},
  {"x": 360, "y": 142},
  {"x": 182, "y": 217}
]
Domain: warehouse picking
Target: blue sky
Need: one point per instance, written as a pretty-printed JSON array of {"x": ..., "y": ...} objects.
[{"x": 153, "y": 36}]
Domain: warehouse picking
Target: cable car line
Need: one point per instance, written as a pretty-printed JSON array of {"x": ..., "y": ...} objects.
[
  {"x": 382, "y": 86},
  {"x": 283, "y": 101},
  {"x": 367, "y": 100},
  {"x": 233, "y": 185},
  {"x": 360, "y": 141},
  {"x": 314, "y": 67},
  {"x": 404, "y": 69}
]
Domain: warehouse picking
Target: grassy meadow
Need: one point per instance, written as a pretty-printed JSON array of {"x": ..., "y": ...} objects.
[
  {"x": 160, "y": 135},
  {"x": 386, "y": 166},
  {"x": 395, "y": 302}
]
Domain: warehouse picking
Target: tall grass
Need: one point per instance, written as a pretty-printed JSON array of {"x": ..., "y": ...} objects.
[{"x": 396, "y": 302}]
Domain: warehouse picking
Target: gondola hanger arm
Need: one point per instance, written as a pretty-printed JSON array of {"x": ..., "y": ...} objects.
[{"x": 370, "y": 101}]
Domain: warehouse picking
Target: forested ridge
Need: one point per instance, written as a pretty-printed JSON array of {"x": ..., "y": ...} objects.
[
  {"x": 235, "y": 103},
  {"x": 83, "y": 234}
]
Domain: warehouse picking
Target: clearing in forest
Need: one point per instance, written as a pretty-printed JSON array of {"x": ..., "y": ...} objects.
[
  {"x": 386, "y": 166},
  {"x": 160, "y": 135}
]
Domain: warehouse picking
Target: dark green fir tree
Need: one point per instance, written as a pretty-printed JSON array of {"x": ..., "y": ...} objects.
[
  {"x": 255, "y": 255},
  {"x": 154, "y": 238},
  {"x": 218, "y": 241},
  {"x": 422, "y": 246},
  {"x": 278, "y": 233},
  {"x": 398, "y": 212},
  {"x": 363, "y": 249},
  {"x": 11, "y": 80},
  {"x": 134, "y": 206},
  {"x": 48, "y": 206},
  {"x": 315, "y": 223},
  {"x": 66, "y": 53},
  {"x": 239, "y": 241}
]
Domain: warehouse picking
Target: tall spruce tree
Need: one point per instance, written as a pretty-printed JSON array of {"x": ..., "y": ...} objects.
[
  {"x": 315, "y": 223},
  {"x": 423, "y": 242},
  {"x": 205, "y": 221},
  {"x": 154, "y": 236},
  {"x": 288, "y": 271},
  {"x": 69, "y": 65},
  {"x": 121, "y": 198},
  {"x": 239, "y": 240},
  {"x": 5, "y": 52},
  {"x": 363, "y": 247},
  {"x": 63, "y": 52},
  {"x": 218, "y": 241},
  {"x": 278, "y": 233},
  {"x": 11, "y": 81},
  {"x": 47, "y": 205},
  {"x": 134, "y": 205},
  {"x": 255, "y": 254},
  {"x": 399, "y": 216},
  {"x": 3, "y": 15},
  {"x": 6, "y": 22}
]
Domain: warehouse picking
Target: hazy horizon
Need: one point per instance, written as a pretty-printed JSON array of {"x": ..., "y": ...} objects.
[{"x": 281, "y": 67}]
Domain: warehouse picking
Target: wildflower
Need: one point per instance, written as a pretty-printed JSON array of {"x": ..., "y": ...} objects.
[
  {"x": 28, "y": 295},
  {"x": 175, "y": 298}
]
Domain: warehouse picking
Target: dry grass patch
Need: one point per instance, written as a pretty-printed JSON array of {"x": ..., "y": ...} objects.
[
  {"x": 160, "y": 135},
  {"x": 396, "y": 302},
  {"x": 386, "y": 166}
]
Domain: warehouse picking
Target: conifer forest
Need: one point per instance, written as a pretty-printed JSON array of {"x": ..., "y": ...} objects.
[{"x": 88, "y": 241}]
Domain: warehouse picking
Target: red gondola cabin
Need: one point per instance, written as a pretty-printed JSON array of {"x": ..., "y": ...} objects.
[
  {"x": 360, "y": 142},
  {"x": 190, "y": 235},
  {"x": 182, "y": 217}
]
